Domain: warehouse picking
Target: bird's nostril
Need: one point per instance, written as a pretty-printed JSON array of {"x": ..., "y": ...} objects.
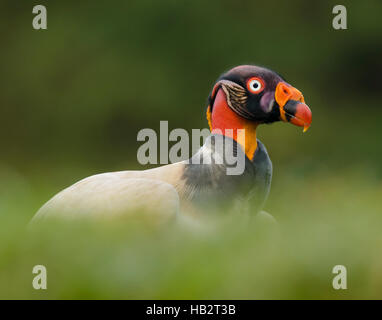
[{"x": 286, "y": 90}]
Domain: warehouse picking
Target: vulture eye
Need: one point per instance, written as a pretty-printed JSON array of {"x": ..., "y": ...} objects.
[{"x": 255, "y": 85}]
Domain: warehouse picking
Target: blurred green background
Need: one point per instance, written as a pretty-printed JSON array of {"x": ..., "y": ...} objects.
[{"x": 73, "y": 97}]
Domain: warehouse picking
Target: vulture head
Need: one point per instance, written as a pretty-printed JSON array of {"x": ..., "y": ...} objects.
[{"x": 247, "y": 96}]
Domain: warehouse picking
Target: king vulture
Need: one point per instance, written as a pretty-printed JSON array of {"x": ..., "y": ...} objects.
[{"x": 242, "y": 98}]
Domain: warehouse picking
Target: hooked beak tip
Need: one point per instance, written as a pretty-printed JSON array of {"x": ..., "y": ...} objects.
[{"x": 298, "y": 114}]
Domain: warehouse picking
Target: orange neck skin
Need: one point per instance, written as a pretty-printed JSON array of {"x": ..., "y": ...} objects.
[{"x": 224, "y": 120}]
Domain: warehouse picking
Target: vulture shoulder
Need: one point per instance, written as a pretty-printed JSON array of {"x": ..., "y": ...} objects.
[{"x": 113, "y": 195}]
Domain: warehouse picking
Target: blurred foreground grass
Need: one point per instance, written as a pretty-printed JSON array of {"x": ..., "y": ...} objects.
[{"x": 324, "y": 219}]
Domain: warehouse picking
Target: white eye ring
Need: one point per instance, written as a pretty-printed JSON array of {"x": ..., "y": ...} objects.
[{"x": 255, "y": 85}]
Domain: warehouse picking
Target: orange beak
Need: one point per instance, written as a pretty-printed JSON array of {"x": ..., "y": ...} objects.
[{"x": 292, "y": 106}]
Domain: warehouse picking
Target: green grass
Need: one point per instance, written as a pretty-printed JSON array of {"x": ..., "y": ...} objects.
[{"x": 323, "y": 220}]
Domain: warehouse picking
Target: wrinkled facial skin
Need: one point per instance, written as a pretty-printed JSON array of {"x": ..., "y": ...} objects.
[{"x": 262, "y": 106}]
